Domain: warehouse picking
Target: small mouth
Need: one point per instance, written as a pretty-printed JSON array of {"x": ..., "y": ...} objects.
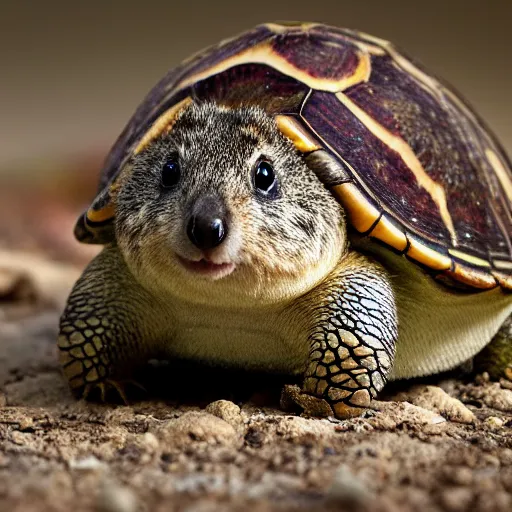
[{"x": 207, "y": 268}]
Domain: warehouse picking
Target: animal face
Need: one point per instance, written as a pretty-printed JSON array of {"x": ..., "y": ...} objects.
[{"x": 223, "y": 196}]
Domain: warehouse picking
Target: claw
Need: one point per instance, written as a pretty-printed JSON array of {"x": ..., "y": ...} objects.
[
  {"x": 118, "y": 385},
  {"x": 314, "y": 406},
  {"x": 311, "y": 405}
]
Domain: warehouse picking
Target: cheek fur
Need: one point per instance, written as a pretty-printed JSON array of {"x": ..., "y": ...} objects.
[
  {"x": 146, "y": 223},
  {"x": 279, "y": 238}
]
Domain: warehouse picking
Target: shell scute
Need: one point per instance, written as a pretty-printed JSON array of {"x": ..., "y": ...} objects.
[
  {"x": 377, "y": 168},
  {"x": 253, "y": 84},
  {"x": 321, "y": 56},
  {"x": 449, "y": 151}
]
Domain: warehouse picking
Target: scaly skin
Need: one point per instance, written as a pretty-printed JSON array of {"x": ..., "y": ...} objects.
[
  {"x": 353, "y": 335},
  {"x": 111, "y": 324},
  {"x": 106, "y": 327}
]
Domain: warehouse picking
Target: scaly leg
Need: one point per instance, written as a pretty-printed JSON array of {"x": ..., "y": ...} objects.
[
  {"x": 106, "y": 327},
  {"x": 352, "y": 340}
]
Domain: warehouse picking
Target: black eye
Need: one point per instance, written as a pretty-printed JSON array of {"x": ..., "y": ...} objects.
[
  {"x": 171, "y": 174},
  {"x": 265, "y": 180}
]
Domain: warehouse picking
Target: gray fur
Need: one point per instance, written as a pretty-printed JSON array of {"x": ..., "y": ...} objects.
[{"x": 217, "y": 149}]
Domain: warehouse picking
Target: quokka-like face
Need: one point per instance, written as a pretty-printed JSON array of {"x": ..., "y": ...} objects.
[{"x": 223, "y": 195}]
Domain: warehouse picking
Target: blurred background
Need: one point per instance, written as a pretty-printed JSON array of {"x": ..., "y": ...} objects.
[{"x": 72, "y": 73}]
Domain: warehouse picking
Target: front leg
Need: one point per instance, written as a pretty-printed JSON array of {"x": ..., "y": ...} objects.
[
  {"x": 106, "y": 328},
  {"x": 352, "y": 336}
]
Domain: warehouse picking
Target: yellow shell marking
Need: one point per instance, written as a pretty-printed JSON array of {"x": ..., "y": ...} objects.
[
  {"x": 285, "y": 26},
  {"x": 473, "y": 277},
  {"x": 263, "y": 54},
  {"x": 163, "y": 123},
  {"x": 293, "y": 130},
  {"x": 504, "y": 280},
  {"x": 435, "y": 190},
  {"x": 469, "y": 258},
  {"x": 432, "y": 259},
  {"x": 501, "y": 172},
  {"x": 389, "y": 233},
  {"x": 503, "y": 265},
  {"x": 361, "y": 213}
]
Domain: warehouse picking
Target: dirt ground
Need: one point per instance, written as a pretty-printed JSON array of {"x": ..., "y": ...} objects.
[{"x": 204, "y": 439}]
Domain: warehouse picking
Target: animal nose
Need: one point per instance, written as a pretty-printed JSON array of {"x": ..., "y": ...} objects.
[
  {"x": 206, "y": 232},
  {"x": 207, "y": 226}
]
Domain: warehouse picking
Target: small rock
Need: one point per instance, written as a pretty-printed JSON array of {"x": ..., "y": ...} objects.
[
  {"x": 483, "y": 378},
  {"x": 312, "y": 406},
  {"x": 506, "y": 457},
  {"x": 494, "y": 422},
  {"x": 291, "y": 427},
  {"x": 457, "y": 499},
  {"x": 150, "y": 441},
  {"x": 19, "y": 438},
  {"x": 490, "y": 460},
  {"x": 394, "y": 413},
  {"x": 116, "y": 498},
  {"x": 90, "y": 463},
  {"x": 25, "y": 423},
  {"x": 498, "y": 398},
  {"x": 4, "y": 461},
  {"x": 347, "y": 489},
  {"x": 147, "y": 442},
  {"x": 437, "y": 400},
  {"x": 459, "y": 476},
  {"x": 227, "y": 411},
  {"x": 193, "y": 427},
  {"x": 505, "y": 383}
]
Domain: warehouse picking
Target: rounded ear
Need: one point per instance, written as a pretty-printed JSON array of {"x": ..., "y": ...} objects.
[{"x": 96, "y": 224}]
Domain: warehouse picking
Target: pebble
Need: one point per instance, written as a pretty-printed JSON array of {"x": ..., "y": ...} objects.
[
  {"x": 437, "y": 400},
  {"x": 227, "y": 411},
  {"x": 25, "y": 423},
  {"x": 193, "y": 427},
  {"x": 19, "y": 438},
  {"x": 347, "y": 488},
  {"x": 494, "y": 422},
  {"x": 498, "y": 398},
  {"x": 505, "y": 455},
  {"x": 505, "y": 383},
  {"x": 90, "y": 463},
  {"x": 459, "y": 476},
  {"x": 456, "y": 499},
  {"x": 394, "y": 413},
  {"x": 116, "y": 498}
]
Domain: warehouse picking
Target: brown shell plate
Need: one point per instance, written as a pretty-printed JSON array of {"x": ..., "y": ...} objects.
[{"x": 413, "y": 165}]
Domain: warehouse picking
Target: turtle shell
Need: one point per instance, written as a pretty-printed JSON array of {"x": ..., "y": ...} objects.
[{"x": 412, "y": 164}]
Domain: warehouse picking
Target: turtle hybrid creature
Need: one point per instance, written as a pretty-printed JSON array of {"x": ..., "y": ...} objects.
[{"x": 299, "y": 199}]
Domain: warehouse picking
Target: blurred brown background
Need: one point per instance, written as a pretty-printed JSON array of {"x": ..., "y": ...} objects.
[{"x": 73, "y": 72}]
